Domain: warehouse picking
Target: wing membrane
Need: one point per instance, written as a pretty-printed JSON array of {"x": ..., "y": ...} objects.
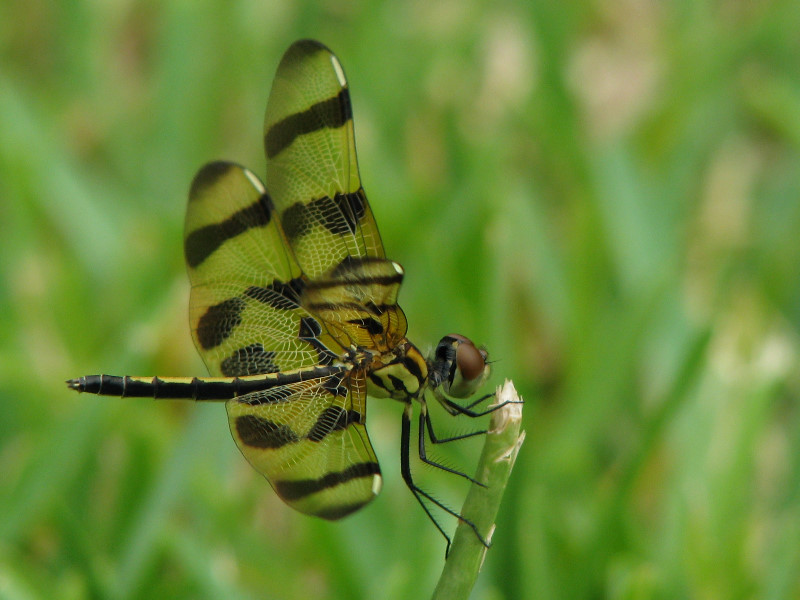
[
  {"x": 312, "y": 169},
  {"x": 245, "y": 311},
  {"x": 358, "y": 303},
  {"x": 308, "y": 439},
  {"x": 296, "y": 279}
]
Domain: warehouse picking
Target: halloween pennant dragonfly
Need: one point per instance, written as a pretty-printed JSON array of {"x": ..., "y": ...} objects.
[{"x": 294, "y": 307}]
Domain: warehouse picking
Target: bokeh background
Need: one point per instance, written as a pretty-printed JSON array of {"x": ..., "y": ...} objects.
[{"x": 606, "y": 194}]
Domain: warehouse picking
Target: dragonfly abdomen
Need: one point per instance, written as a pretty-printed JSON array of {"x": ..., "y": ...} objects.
[{"x": 194, "y": 388}]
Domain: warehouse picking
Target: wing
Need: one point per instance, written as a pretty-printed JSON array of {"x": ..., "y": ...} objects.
[
  {"x": 244, "y": 308},
  {"x": 308, "y": 439},
  {"x": 357, "y": 302},
  {"x": 312, "y": 170}
]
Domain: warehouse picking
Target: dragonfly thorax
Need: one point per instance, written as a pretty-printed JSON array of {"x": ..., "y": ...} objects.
[{"x": 400, "y": 374}]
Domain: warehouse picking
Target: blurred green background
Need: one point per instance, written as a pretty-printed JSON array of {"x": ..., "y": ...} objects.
[{"x": 606, "y": 194}]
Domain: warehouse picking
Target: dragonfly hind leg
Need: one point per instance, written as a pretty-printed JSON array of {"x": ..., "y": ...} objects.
[{"x": 420, "y": 494}]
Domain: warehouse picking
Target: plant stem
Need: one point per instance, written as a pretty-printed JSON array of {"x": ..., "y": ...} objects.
[{"x": 503, "y": 442}]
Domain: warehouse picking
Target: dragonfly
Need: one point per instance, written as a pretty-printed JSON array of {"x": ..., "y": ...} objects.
[{"x": 293, "y": 308}]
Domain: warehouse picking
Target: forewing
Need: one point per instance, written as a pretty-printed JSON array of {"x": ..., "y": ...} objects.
[
  {"x": 245, "y": 308},
  {"x": 308, "y": 439},
  {"x": 357, "y": 301},
  {"x": 312, "y": 171}
]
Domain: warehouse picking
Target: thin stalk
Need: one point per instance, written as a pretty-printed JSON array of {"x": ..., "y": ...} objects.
[{"x": 503, "y": 442}]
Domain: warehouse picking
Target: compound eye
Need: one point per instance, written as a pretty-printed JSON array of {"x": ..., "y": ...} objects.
[
  {"x": 469, "y": 360},
  {"x": 468, "y": 368}
]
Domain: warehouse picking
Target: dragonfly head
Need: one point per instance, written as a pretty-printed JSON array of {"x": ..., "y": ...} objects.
[{"x": 458, "y": 366}]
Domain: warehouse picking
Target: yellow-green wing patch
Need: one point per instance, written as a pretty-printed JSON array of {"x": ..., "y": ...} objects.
[
  {"x": 309, "y": 440},
  {"x": 312, "y": 170},
  {"x": 357, "y": 301},
  {"x": 245, "y": 308}
]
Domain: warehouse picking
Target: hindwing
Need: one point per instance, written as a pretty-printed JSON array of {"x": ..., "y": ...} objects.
[
  {"x": 309, "y": 440},
  {"x": 245, "y": 306}
]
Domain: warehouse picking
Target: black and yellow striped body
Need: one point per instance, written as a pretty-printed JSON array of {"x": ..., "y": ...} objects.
[{"x": 293, "y": 303}]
